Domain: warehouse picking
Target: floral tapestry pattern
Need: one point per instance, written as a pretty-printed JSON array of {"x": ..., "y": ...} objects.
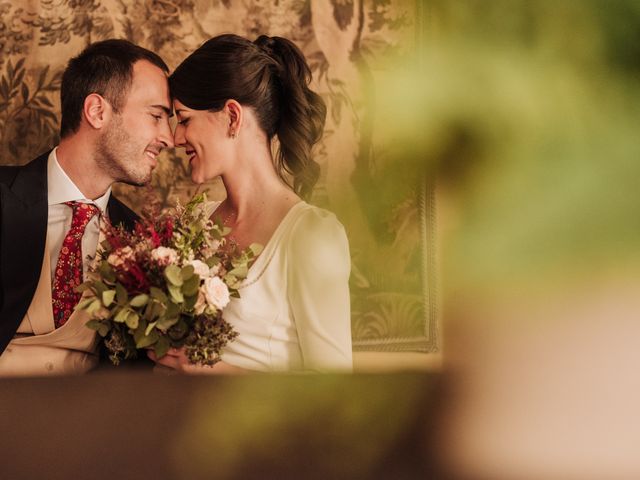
[{"x": 347, "y": 43}]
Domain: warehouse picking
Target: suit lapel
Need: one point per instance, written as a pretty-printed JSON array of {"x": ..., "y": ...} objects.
[{"x": 23, "y": 230}]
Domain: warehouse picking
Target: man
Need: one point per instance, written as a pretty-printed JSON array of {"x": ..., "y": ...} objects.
[{"x": 115, "y": 108}]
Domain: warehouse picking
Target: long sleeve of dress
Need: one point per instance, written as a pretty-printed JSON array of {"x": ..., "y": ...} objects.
[{"x": 318, "y": 266}]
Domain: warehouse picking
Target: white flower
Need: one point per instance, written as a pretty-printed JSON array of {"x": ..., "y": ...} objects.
[
  {"x": 164, "y": 256},
  {"x": 211, "y": 248},
  {"x": 200, "y": 268},
  {"x": 216, "y": 292},
  {"x": 118, "y": 257},
  {"x": 201, "y": 303}
]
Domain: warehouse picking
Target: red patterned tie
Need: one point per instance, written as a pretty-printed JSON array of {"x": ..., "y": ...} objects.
[{"x": 68, "y": 273}]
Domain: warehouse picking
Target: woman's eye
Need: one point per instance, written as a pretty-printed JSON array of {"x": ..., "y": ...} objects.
[{"x": 183, "y": 121}]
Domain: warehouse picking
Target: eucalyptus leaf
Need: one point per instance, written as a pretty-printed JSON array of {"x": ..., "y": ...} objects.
[
  {"x": 256, "y": 249},
  {"x": 106, "y": 272},
  {"x": 150, "y": 327},
  {"x": 121, "y": 294},
  {"x": 161, "y": 347},
  {"x": 165, "y": 323},
  {"x": 173, "y": 274},
  {"x": 158, "y": 294},
  {"x": 189, "y": 302},
  {"x": 94, "y": 305},
  {"x": 121, "y": 316},
  {"x": 139, "y": 300},
  {"x": 175, "y": 293},
  {"x": 107, "y": 297},
  {"x": 101, "y": 327},
  {"x": 132, "y": 319},
  {"x": 148, "y": 340},
  {"x": 84, "y": 303},
  {"x": 83, "y": 286},
  {"x": 190, "y": 286},
  {"x": 187, "y": 272},
  {"x": 240, "y": 271}
]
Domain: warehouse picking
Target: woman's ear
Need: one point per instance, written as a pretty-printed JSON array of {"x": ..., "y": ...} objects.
[
  {"x": 234, "y": 111},
  {"x": 96, "y": 111}
]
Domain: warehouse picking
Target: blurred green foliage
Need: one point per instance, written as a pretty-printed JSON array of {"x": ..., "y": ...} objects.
[{"x": 528, "y": 115}]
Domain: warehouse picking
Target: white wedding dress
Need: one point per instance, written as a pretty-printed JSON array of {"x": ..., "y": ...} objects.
[{"x": 293, "y": 313}]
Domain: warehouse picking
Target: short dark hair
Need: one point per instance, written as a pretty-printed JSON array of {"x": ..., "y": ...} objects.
[
  {"x": 270, "y": 75},
  {"x": 105, "y": 68}
]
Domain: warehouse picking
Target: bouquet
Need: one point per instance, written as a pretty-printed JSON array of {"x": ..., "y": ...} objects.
[{"x": 165, "y": 285}]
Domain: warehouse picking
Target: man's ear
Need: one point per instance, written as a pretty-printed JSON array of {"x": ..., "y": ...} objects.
[
  {"x": 234, "y": 111},
  {"x": 96, "y": 111}
]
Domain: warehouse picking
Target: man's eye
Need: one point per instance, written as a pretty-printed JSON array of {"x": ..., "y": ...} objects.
[{"x": 157, "y": 117}]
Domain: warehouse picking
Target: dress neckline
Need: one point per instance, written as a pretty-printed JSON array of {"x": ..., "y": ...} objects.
[{"x": 262, "y": 262}]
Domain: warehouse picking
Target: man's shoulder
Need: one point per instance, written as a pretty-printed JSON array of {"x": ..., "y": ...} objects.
[{"x": 8, "y": 173}]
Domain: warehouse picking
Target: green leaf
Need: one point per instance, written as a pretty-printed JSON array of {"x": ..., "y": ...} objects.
[
  {"x": 132, "y": 319},
  {"x": 165, "y": 323},
  {"x": 150, "y": 327},
  {"x": 139, "y": 300},
  {"x": 148, "y": 340},
  {"x": 106, "y": 272},
  {"x": 256, "y": 249},
  {"x": 83, "y": 286},
  {"x": 107, "y": 297},
  {"x": 84, "y": 303},
  {"x": 172, "y": 273},
  {"x": 99, "y": 326},
  {"x": 187, "y": 272},
  {"x": 100, "y": 287},
  {"x": 94, "y": 305},
  {"x": 158, "y": 294},
  {"x": 161, "y": 347},
  {"x": 175, "y": 293},
  {"x": 121, "y": 316},
  {"x": 190, "y": 287},
  {"x": 189, "y": 302},
  {"x": 121, "y": 294},
  {"x": 240, "y": 271}
]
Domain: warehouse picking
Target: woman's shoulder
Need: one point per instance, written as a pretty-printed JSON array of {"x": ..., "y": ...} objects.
[
  {"x": 312, "y": 221},
  {"x": 317, "y": 235}
]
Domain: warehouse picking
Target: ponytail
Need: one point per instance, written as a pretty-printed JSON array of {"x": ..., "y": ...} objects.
[{"x": 302, "y": 114}]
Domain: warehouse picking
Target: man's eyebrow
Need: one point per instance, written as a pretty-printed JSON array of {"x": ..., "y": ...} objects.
[{"x": 166, "y": 110}]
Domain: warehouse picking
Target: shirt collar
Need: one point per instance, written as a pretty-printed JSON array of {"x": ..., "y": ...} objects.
[{"x": 61, "y": 188}]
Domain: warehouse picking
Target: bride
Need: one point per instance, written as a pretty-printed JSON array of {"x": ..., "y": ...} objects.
[{"x": 232, "y": 97}]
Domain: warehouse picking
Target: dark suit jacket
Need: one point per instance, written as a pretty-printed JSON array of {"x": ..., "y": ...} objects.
[{"x": 23, "y": 229}]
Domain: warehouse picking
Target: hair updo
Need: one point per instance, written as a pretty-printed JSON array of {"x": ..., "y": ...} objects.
[{"x": 271, "y": 76}]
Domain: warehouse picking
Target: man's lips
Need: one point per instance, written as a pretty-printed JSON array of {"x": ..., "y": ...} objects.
[{"x": 152, "y": 154}]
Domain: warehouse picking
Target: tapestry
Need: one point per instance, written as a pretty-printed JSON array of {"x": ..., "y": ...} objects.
[{"x": 349, "y": 44}]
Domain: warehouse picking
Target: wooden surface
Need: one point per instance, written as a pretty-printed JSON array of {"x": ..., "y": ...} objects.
[{"x": 118, "y": 424}]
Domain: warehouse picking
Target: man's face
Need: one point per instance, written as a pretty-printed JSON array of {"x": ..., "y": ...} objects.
[{"x": 132, "y": 140}]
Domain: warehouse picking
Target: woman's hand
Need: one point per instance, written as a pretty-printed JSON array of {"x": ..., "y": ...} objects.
[{"x": 176, "y": 359}]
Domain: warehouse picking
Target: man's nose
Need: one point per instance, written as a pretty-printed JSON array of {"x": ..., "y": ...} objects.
[{"x": 165, "y": 136}]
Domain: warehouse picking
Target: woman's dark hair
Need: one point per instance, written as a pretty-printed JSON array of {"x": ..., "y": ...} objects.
[
  {"x": 105, "y": 68},
  {"x": 271, "y": 76}
]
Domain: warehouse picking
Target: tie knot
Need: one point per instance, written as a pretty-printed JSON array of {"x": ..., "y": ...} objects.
[{"x": 82, "y": 213}]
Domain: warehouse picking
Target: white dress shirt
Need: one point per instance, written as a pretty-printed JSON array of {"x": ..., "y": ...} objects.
[{"x": 61, "y": 189}]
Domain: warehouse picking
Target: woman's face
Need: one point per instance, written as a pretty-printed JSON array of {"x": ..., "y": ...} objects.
[{"x": 204, "y": 135}]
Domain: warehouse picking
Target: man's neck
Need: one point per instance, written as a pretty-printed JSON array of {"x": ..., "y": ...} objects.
[{"x": 76, "y": 157}]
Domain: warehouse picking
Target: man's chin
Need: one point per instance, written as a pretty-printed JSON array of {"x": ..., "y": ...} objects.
[{"x": 136, "y": 182}]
